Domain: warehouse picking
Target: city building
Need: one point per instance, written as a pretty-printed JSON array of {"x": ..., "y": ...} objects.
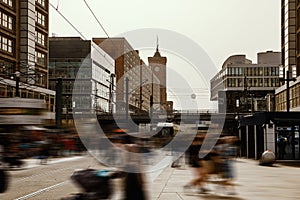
[
  {"x": 241, "y": 86},
  {"x": 86, "y": 73},
  {"x": 128, "y": 64},
  {"x": 290, "y": 47},
  {"x": 147, "y": 83},
  {"x": 279, "y": 131},
  {"x": 24, "y": 51}
]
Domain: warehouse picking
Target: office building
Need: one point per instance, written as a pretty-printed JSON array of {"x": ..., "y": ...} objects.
[
  {"x": 240, "y": 84},
  {"x": 74, "y": 59},
  {"x": 290, "y": 46},
  {"x": 128, "y": 64},
  {"x": 24, "y": 50}
]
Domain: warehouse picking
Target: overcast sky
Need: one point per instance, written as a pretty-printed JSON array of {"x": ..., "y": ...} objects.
[{"x": 221, "y": 27}]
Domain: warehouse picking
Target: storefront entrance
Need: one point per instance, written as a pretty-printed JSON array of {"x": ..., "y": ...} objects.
[{"x": 287, "y": 142}]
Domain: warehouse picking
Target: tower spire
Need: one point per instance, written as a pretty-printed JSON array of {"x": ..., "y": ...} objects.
[
  {"x": 157, "y": 43},
  {"x": 157, "y": 54}
]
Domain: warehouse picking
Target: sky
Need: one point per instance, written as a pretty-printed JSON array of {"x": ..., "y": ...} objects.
[{"x": 220, "y": 27}]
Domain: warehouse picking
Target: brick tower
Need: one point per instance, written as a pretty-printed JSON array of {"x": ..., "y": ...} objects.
[{"x": 157, "y": 64}]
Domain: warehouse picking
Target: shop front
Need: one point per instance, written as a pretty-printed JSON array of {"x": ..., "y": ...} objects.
[{"x": 275, "y": 131}]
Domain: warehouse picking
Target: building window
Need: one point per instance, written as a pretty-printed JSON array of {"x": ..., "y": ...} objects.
[
  {"x": 41, "y": 2},
  {"x": 6, "y": 44},
  {"x": 7, "y": 2},
  {"x": 266, "y": 71},
  {"x": 40, "y": 58},
  {"x": 40, "y": 38},
  {"x": 267, "y": 82},
  {"x": 6, "y": 21},
  {"x": 260, "y": 82},
  {"x": 41, "y": 79},
  {"x": 9, "y": 46},
  {"x": 273, "y": 71},
  {"x": 40, "y": 18},
  {"x": 10, "y": 23}
]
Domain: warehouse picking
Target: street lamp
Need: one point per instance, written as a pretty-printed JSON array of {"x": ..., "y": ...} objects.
[
  {"x": 67, "y": 113},
  {"x": 287, "y": 79},
  {"x": 17, "y": 75}
]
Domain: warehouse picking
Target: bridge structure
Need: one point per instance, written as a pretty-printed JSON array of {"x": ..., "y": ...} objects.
[
  {"x": 228, "y": 122},
  {"x": 188, "y": 117}
]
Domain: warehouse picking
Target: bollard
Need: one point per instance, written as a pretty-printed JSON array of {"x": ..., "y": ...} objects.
[{"x": 267, "y": 158}]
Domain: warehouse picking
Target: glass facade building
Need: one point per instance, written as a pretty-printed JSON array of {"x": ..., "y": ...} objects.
[{"x": 92, "y": 70}]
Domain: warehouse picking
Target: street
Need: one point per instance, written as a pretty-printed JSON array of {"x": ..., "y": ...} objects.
[{"x": 52, "y": 181}]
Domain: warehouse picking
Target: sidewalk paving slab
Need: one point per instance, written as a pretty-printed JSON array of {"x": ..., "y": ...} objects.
[{"x": 253, "y": 182}]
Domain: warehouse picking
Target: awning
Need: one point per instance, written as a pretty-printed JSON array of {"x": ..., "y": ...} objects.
[{"x": 267, "y": 117}]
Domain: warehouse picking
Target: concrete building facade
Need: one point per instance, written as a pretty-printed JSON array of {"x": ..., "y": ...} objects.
[{"x": 240, "y": 84}]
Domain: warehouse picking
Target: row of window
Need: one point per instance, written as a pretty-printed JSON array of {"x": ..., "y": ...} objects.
[
  {"x": 252, "y": 71},
  {"x": 9, "y": 91},
  {"x": 6, "y": 44},
  {"x": 100, "y": 74},
  {"x": 253, "y": 82},
  {"x": 294, "y": 98},
  {"x": 100, "y": 90},
  {"x": 82, "y": 102},
  {"x": 6, "y": 21},
  {"x": 294, "y": 95},
  {"x": 41, "y": 2},
  {"x": 8, "y": 2}
]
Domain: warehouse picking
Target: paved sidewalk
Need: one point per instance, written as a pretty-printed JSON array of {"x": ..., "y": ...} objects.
[{"x": 253, "y": 182}]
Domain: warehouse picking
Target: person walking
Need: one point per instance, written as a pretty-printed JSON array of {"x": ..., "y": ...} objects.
[
  {"x": 228, "y": 152},
  {"x": 195, "y": 163}
]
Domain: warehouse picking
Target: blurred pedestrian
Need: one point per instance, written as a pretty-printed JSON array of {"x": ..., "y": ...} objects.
[
  {"x": 3, "y": 180},
  {"x": 281, "y": 142},
  {"x": 134, "y": 179},
  {"x": 44, "y": 153},
  {"x": 228, "y": 153},
  {"x": 195, "y": 164}
]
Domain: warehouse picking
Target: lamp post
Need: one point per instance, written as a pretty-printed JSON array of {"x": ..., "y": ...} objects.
[
  {"x": 67, "y": 113},
  {"x": 17, "y": 74},
  {"x": 287, "y": 79},
  {"x": 127, "y": 97}
]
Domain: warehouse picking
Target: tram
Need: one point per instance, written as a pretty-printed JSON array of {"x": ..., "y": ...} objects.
[{"x": 20, "y": 126}]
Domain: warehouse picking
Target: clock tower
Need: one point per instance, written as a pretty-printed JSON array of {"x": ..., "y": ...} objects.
[{"x": 157, "y": 65}]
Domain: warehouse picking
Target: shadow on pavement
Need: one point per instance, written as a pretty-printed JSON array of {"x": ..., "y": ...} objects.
[{"x": 289, "y": 164}]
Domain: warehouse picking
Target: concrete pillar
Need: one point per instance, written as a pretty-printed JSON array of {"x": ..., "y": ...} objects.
[
  {"x": 270, "y": 137},
  {"x": 247, "y": 141},
  {"x": 255, "y": 142}
]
